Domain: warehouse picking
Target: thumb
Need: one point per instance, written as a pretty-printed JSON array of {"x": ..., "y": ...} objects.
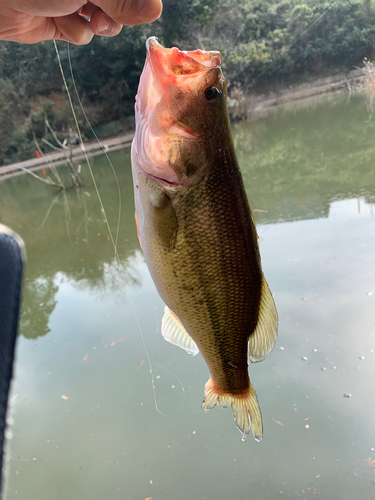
[{"x": 130, "y": 12}]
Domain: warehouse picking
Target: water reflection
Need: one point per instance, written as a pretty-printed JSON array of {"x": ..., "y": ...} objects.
[
  {"x": 65, "y": 233},
  {"x": 311, "y": 185},
  {"x": 39, "y": 301},
  {"x": 296, "y": 161},
  {"x": 299, "y": 159}
]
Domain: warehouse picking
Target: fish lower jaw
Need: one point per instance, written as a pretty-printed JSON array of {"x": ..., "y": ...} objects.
[
  {"x": 170, "y": 183},
  {"x": 174, "y": 189}
]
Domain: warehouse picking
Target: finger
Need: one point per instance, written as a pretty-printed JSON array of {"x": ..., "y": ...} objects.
[
  {"x": 131, "y": 12},
  {"x": 74, "y": 29},
  {"x": 50, "y": 8},
  {"x": 88, "y": 9},
  {"x": 103, "y": 25},
  {"x": 100, "y": 23}
]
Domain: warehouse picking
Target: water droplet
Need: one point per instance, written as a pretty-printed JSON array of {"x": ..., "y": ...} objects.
[
  {"x": 347, "y": 395},
  {"x": 369, "y": 293},
  {"x": 372, "y": 449},
  {"x": 281, "y": 348},
  {"x": 323, "y": 369},
  {"x": 304, "y": 358},
  {"x": 361, "y": 357},
  {"x": 315, "y": 350},
  {"x": 307, "y": 426}
]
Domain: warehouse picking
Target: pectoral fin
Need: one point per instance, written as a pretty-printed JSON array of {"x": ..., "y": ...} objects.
[
  {"x": 138, "y": 229},
  {"x": 263, "y": 338},
  {"x": 164, "y": 219},
  {"x": 173, "y": 331}
]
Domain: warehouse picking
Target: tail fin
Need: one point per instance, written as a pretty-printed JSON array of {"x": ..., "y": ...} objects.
[{"x": 245, "y": 407}]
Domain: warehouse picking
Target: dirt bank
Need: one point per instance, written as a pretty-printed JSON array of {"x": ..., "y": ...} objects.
[
  {"x": 77, "y": 154},
  {"x": 253, "y": 105},
  {"x": 243, "y": 107}
]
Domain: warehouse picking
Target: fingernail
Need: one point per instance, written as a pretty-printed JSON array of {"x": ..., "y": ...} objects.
[{"x": 103, "y": 24}]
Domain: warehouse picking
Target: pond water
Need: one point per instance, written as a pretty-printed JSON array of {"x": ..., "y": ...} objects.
[{"x": 85, "y": 419}]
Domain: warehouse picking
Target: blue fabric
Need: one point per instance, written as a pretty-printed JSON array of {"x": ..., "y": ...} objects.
[{"x": 11, "y": 267}]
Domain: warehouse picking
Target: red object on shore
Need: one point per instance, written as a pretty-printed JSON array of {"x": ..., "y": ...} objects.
[
  {"x": 37, "y": 153},
  {"x": 44, "y": 171}
]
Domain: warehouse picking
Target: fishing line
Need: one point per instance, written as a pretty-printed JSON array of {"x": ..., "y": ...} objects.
[
  {"x": 168, "y": 371},
  {"x": 84, "y": 151},
  {"x": 150, "y": 363},
  {"x": 100, "y": 144},
  {"x": 285, "y": 49},
  {"x": 114, "y": 242}
]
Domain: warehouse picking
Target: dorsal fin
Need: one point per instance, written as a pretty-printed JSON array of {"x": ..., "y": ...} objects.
[
  {"x": 173, "y": 331},
  {"x": 263, "y": 338}
]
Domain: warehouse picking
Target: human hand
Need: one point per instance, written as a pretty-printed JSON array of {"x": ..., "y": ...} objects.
[{"x": 31, "y": 21}]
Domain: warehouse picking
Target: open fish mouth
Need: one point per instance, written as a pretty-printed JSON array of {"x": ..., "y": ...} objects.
[
  {"x": 170, "y": 80},
  {"x": 179, "y": 62},
  {"x": 165, "y": 67}
]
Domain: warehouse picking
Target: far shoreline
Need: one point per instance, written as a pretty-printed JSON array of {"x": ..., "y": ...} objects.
[{"x": 253, "y": 106}]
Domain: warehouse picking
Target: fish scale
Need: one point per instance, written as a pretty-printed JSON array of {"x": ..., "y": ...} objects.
[{"x": 196, "y": 229}]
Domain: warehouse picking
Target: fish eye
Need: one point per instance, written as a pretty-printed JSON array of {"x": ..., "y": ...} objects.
[{"x": 211, "y": 93}]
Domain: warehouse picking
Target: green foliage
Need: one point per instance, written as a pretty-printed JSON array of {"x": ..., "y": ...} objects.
[
  {"x": 184, "y": 20},
  {"x": 264, "y": 44},
  {"x": 108, "y": 70},
  {"x": 14, "y": 108},
  {"x": 274, "y": 43}
]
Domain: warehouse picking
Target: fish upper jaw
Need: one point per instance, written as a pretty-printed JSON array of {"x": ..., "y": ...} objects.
[{"x": 179, "y": 62}]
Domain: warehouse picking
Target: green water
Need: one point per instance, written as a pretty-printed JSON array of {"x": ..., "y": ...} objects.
[{"x": 310, "y": 176}]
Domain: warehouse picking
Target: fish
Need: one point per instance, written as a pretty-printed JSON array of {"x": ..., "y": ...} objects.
[{"x": 195, "y": 226}]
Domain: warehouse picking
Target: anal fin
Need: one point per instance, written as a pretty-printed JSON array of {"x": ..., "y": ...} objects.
[
  {"x": 263, "y": 338},
  {"x": 173, "y": 331}
]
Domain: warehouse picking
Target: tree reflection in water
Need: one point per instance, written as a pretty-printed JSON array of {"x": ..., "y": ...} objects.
[
  {"x": 67, "y": 238},
  {"x": 38, "y": 304}
]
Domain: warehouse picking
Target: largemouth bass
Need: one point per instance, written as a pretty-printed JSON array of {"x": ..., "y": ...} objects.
[{"x": 195, "y": 226}]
